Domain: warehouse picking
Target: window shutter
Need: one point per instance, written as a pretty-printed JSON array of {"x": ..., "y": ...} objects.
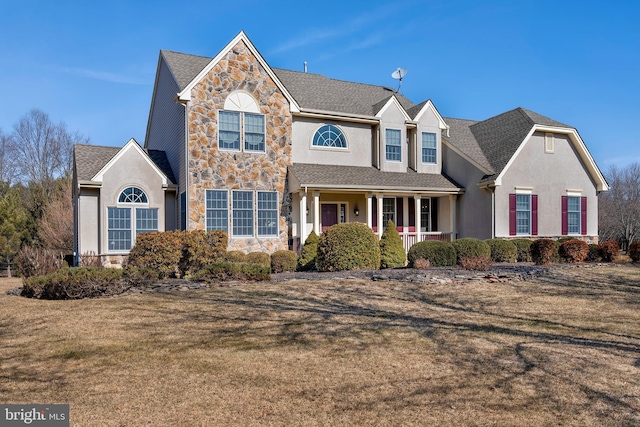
[
  {"x": 374, "y": 214},
  {"x": 534, "y": 214},
  {"x": 512, "y": 214},
  {"x": 565, "y": 216},
  {"x": 583, "y": 216}
]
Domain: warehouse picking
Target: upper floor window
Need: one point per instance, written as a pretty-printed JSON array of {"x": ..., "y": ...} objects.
[
  {"x": 132, "y": 195},
  {"x": 393, "y": 146},
  {"x": 237, "y": 128},
  {"x": 329, "y": 136},
  {"x": 428, "y": 147}
]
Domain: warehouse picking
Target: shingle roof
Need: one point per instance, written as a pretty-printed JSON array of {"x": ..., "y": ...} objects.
[
  {"x": 353, "y": 177},
  {"x": 184, "y": 67},
  {"x": 90, "y": 159},
  {"x": 493, "y": 142}
]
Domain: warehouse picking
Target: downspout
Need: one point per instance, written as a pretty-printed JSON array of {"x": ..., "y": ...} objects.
[
  {"x": 493, "y": 212},
  {"x": 186, "y": 165}
]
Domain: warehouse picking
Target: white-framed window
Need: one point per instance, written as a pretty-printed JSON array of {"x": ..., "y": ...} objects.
[
  {"x": 388, "y": 211},
  {"x": 267, "y": 213},
  {"x": 428, "y": 147},
  {"x": 523, "y": 214},
  {"x": 238, "y": 129},
  {"x": 573, "y": 214},
  {"x": 425, "y": 215},
  {"x": 242, "y": 213},
  {"x": 329, "y": 136},
  {"x": 217, "y": 210},
  {"x": 393, "y": 145},
  {"x": 130, "y": 217}
]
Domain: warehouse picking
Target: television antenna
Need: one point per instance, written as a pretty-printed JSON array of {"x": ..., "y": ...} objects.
[{"x": 398, "y": 75}]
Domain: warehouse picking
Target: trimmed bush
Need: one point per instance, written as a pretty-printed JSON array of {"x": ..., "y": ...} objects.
[
  {"x": 542, "y": 251},
  {"x": 75, "y": 283},
  {"x": 439, "y": 254},
  {"x": 235, "y": 256},
  {"x": 593, "y": 255},
  {"x": 480, "y": 263},
  {"x": 634, "y": 251},
  {"x": 307, "y": 260},
  {"x": 573, "y": 251},
  {"x": 523, "y": 249},
  {"x": 158, "y": 251},
  {"x": 470, "y": 247},
  {"x": 502, "y": 250},
  {"x": 37, "y": 262},
  {"x": 392, "y": 253},
  {"x": 282, "y": 261},
  {"x": 224, "y": 271},
  {"x": 349, "y": 246},
  {"x": 200, "y": 248},
  {"x": 139, "y": 276},
  {"x": 261, "y": 258},
  {"x": 608, "y": 251}
]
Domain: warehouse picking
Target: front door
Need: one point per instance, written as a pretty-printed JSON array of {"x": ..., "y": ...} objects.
[{"x": 329, "y": 215}]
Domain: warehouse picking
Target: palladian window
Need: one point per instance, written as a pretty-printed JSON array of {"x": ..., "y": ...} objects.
[
  {"x": 130, "y": 217},
  {"x": 329, "y": 136}
]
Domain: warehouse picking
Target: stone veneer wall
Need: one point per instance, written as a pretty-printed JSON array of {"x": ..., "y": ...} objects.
[{"x": 210, "y": 168}]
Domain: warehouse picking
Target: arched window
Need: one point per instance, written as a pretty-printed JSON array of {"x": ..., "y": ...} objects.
[
  {"x": 329, "y": 136},
  {"x": 132, "y": 195}
]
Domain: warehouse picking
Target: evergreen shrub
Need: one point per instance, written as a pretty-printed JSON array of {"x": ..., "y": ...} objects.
[
  {"x": 160, "y": 251},
  {"x": 235, "y": 256},
  {"x": 261, "y": 258},
  {"x": 609, "y": 251},
  {"x": 75, "y": 283},
  {"x": 348, "y": 246},
  {"x": 307, "y": 260},
  {"x": 284, "y": 260},
  {"x": 523, "y": 249},
  {"x": 573, "y": 251},
  {"x": 502, "y": 250},
  {"x": 200, "y": 248},
  {"x": 593, "y": 255},
  {"x": 224, "y": 271},
  {"x": 439, "y": 254},
  {"x": 470, "y": 247},
  {"x": 392, "y": 253},
  {"x": 542, "y": 251}
]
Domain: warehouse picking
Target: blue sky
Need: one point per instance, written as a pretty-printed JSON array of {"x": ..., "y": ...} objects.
[{"x": 92, "y": 64}]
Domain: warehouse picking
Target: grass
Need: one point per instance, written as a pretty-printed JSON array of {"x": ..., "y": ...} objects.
[{"x": 561, "y": 350}]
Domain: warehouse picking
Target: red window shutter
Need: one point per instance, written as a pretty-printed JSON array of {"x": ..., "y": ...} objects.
[
  {"x": 374, "y": 214},
  {"x": 512, "y": 214},
  {"x": 534, "y": 214},
  {"x": 583, "y": 216},
  {"x": 565, "y": 216},
  {"x": 399, "y": 214}
]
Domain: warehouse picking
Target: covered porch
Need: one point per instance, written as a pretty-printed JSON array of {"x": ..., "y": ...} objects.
[{"x": 427, "y": 212}]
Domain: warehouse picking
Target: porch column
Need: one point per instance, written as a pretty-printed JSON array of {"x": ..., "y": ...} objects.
[
  {"x": 380, "y": 224},
  {"x": 316, "y": 212},
  {"x": 405, "y": 215},
  {"x": 418, "y": 209},
  {"x": 453, "y": 215},
  {"x": 303, "y": 217},
  {"x": 370, "y": 210}
]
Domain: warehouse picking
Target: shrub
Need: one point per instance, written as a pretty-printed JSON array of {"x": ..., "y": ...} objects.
[
  {"x": 139, "y": 276},
  {"x": 593, "y": 255},
  {"x": 307, "y": 260},
  {"x": 439, "y": 254},
  {"x": 608, "y": 251},
  {"x": 481, "y": 263},
  {"x": 75, "y": 283},
  {"x": 634, "y": 251},
  {"x": 542, "y": 251},
  {"x": 90, "y": 259},
  {"x": 422, "y": 264},
  {"x": 574, "y": 250},
  {"x": 159, "y": 251},
  {"x": 348, "y": 246},
  {"x": 235, "y": 256},
  {"x": 37, "y": 262},
  {"x": 523, "y": 249},
  {"x": 200, "y": 248},
  {"x": 282, "y": 261},
  {"x": 261, "y": 258},
  {"x": 502, "y": 250},
  {"x": 223, "y": 271},
  {"x": 392, "y": 253},
  {"x": 470, "y": 248}
]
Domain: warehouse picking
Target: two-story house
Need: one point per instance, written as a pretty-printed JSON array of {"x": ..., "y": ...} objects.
[{"x": 268, "y": 155}]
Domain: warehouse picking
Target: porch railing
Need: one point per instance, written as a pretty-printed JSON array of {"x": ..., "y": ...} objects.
[{"x": 410, "y": 239}]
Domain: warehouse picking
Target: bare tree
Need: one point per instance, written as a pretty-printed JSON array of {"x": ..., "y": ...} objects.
[
  {"x": 619, "y": 215},
  {"x": 44, "y": 150},
  {"x": 7, "y": 159},
  {"x": 56, "y": 226}
]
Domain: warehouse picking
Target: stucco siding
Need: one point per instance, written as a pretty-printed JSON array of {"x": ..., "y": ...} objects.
[
  {"x": 392, "y": 118},
  {"x": 550, "y": 176},
  {"x": 357, "y": 153}
]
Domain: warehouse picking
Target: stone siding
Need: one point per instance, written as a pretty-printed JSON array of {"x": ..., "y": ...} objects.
[{"x": 210, "y": 168}]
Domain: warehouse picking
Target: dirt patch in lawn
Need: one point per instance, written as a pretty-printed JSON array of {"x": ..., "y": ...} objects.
[{"x": 559, "y": 349}]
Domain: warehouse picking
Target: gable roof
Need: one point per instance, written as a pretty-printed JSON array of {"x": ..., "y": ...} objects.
[
  {"x": 184, "y": 67},
  {"x": 89, "y": 160},
  {"x": 371, "y": 178}
]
